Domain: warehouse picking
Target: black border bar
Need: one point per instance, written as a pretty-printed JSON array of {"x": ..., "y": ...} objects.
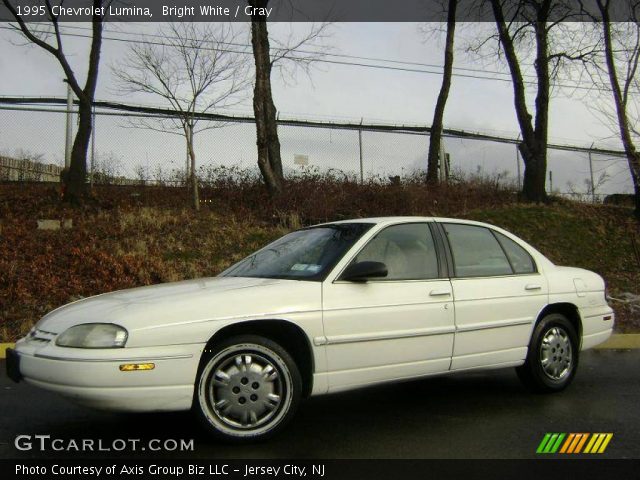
[
  {"x": 583, "y": 469},
  {"x": 305, "y": 11}
]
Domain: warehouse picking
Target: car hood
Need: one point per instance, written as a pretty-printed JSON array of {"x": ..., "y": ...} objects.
[{"x": 186, "y": 302}]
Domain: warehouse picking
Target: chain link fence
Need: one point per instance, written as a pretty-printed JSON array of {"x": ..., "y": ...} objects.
[{"x": 121, "y": 153}]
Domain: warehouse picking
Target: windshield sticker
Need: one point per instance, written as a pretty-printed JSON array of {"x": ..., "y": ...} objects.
[{"x": 306, "y": 267}]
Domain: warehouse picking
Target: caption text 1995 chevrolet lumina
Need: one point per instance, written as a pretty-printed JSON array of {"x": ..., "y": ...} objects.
[{"x": 323, "y": 309}]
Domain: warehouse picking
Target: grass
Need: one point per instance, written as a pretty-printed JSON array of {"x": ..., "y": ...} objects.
[
  {"x": 131, "y": 237},
  {"x": 593, "y": 237}
]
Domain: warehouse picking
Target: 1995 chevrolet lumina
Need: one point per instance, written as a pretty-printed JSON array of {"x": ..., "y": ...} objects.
[{"x": 323, "y": 309}]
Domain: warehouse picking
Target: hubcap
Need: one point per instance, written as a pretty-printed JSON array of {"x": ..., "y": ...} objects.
[
  {"x": 245, "y": 390},
  {"x": 556, "y": 355}
]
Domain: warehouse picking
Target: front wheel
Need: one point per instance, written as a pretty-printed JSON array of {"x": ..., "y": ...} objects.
[
  {"x": 248, "y": 388},
  {"x": 552, "y": 359}
]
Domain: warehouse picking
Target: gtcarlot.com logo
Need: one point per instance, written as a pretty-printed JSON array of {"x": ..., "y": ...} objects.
[{"x": 572, "y": 443}]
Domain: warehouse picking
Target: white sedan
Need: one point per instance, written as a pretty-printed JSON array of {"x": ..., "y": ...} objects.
[{"x": 324, "y": 309}]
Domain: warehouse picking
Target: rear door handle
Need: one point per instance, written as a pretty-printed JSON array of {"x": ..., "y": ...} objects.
[
  {"x": 440, "y": 293},
  {"x": 533, "y": 286}
]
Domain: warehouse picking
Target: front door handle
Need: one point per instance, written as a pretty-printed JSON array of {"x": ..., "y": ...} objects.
[
  {"x": 533, "y": 286},
  {"x": 440, "y": 293}
]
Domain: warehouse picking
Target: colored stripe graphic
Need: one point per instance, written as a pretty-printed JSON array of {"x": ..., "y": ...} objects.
[
  {"x": 543, "y": 443},
  {"x": 550, "y": 443},
  {"x": 590, "y": 444},
  {"x": 581, "y": 442},
  {"x": 574, "y": 443},
  {"x": 604, "y": 445},
  {"x": 567, "y": 443},
  {"x": 576, "y": 439},
  {"x": 555, "y": 447},
  {"x": 598, "y": 443}
]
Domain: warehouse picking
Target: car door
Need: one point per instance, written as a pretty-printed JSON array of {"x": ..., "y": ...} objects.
[
  {"x": 396, "y": 327},
  {"x": 498, "y": 294}
]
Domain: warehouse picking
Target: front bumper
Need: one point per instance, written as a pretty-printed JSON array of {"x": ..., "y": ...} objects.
[
  {"x": 98, "y": 382},
  {"x": 13, "y": 365}
]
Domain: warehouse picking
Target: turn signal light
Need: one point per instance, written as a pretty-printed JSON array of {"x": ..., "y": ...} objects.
[{"x": 134, "y": 367}]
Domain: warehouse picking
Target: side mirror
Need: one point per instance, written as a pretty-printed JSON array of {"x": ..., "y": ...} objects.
[{"x": 361, "y": 271}]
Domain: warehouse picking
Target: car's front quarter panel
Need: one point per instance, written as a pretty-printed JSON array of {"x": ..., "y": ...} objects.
[
  {"x": 170, "y": 332},
  {"x": 196, "y": 320},
  {"x": 585, "y": 290}
]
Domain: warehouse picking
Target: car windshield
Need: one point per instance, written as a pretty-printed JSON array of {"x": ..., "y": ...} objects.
[{"x": 307, "y": 254}]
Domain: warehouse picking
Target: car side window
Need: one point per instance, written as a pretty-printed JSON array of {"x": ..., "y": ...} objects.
[
  {"x": 476, "y": 252},
  {"x": 520, "y": 259},
  {"x": 408, "y": 251}
]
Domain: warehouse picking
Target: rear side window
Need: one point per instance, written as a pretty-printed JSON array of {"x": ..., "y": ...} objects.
[
  {"x": 520, "y": 259},
  {"x": 476, "y": 252}
]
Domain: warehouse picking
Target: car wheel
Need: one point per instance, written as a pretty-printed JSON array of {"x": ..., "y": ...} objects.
[
  {"x": 248, "y": 388},
  {"x": 552, "y": 359}
]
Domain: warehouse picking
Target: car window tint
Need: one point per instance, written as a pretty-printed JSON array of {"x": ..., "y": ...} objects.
[
  {"x": 520, "y": 259},
  {"x": 407, "y": 250},
  {"x": 476, "y": 252},
  {"x": 307, "y": 254}
]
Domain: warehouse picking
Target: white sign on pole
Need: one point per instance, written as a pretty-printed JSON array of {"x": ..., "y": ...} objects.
[{"x": 301, "y": 159}]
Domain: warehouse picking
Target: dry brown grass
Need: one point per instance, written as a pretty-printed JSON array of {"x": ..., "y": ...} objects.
[{"x": 130, "y": 237}]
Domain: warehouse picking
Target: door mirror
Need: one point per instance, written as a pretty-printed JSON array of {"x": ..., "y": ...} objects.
[{"x": 362, "y": 271}]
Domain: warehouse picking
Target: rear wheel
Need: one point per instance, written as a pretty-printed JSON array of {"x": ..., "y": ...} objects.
[
  {"x": 552, "y": 359},
  {"x": 248, "y": 388}
]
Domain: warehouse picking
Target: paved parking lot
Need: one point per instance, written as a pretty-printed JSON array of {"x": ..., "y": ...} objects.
[{"x": 473, "y": 415}]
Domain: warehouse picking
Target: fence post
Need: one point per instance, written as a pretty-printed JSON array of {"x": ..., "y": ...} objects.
[
  {"x": 518, "y": 165},
  {"x": 442, "y": 163},
  {"x": 186, "y": 170},
  {"x": 67, "y": 145},
  {"x": 360, "y": 149},
  {"x": 93, "y": 146},
  {"x": 551, "y": 182},
  {"x": 593, "y": 187}
]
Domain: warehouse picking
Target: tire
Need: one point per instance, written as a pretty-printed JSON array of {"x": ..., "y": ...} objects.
[
  {"x": 247, "y": 390},
  {"x": 549, "y": 367}
]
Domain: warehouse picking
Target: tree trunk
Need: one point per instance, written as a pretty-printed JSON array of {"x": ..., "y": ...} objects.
[
  {"x": 534, "y": 139},
  {"x": 535, "y": 174},
  {"x": 269, "y": 160},
  {"x": 75, "y": 180},
  {"x": 620, "y": 101},
  {"x": 435, "y": 139},
  {"x": 193, "y": 178},
  {"x": 76, "y": 188},
  {"x": 634, "y": 164}
]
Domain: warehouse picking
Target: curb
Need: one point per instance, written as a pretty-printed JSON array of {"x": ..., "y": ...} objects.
[
  {"x": 3, "y": 349},
  {"x": 621, "y": 341},
  {"x": 617, "y": 341}
]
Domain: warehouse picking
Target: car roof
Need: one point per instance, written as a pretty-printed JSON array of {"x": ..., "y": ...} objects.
[
  {"x": 400, "y": 219},
  {"x": 405, "y": 219}
]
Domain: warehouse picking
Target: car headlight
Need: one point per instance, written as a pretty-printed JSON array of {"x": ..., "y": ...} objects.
[{"x": 93, "y": 335}]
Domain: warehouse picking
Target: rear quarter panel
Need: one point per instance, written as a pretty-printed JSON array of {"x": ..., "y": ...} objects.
[{"x": 585, "y": 290}]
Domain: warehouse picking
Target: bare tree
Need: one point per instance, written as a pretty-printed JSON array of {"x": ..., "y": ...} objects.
[
  {"x": 268, "y": 142},
  {"x": 193, "y": 71},
  {"x": 49, "y": 38},
  {"x": 435, "y": 139},
  {"x": 535, "y": 30},
  {"x": 622, "y": 55}
]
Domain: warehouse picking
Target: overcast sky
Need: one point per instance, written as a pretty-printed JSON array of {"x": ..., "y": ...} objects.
[{"x": 339, "y": 91}]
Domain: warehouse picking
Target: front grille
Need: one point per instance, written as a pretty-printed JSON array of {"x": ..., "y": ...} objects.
[{"x": 41, "y": 336}]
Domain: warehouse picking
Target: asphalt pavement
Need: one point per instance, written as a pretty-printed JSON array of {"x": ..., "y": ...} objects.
[{"x": 472, "y": 415}]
